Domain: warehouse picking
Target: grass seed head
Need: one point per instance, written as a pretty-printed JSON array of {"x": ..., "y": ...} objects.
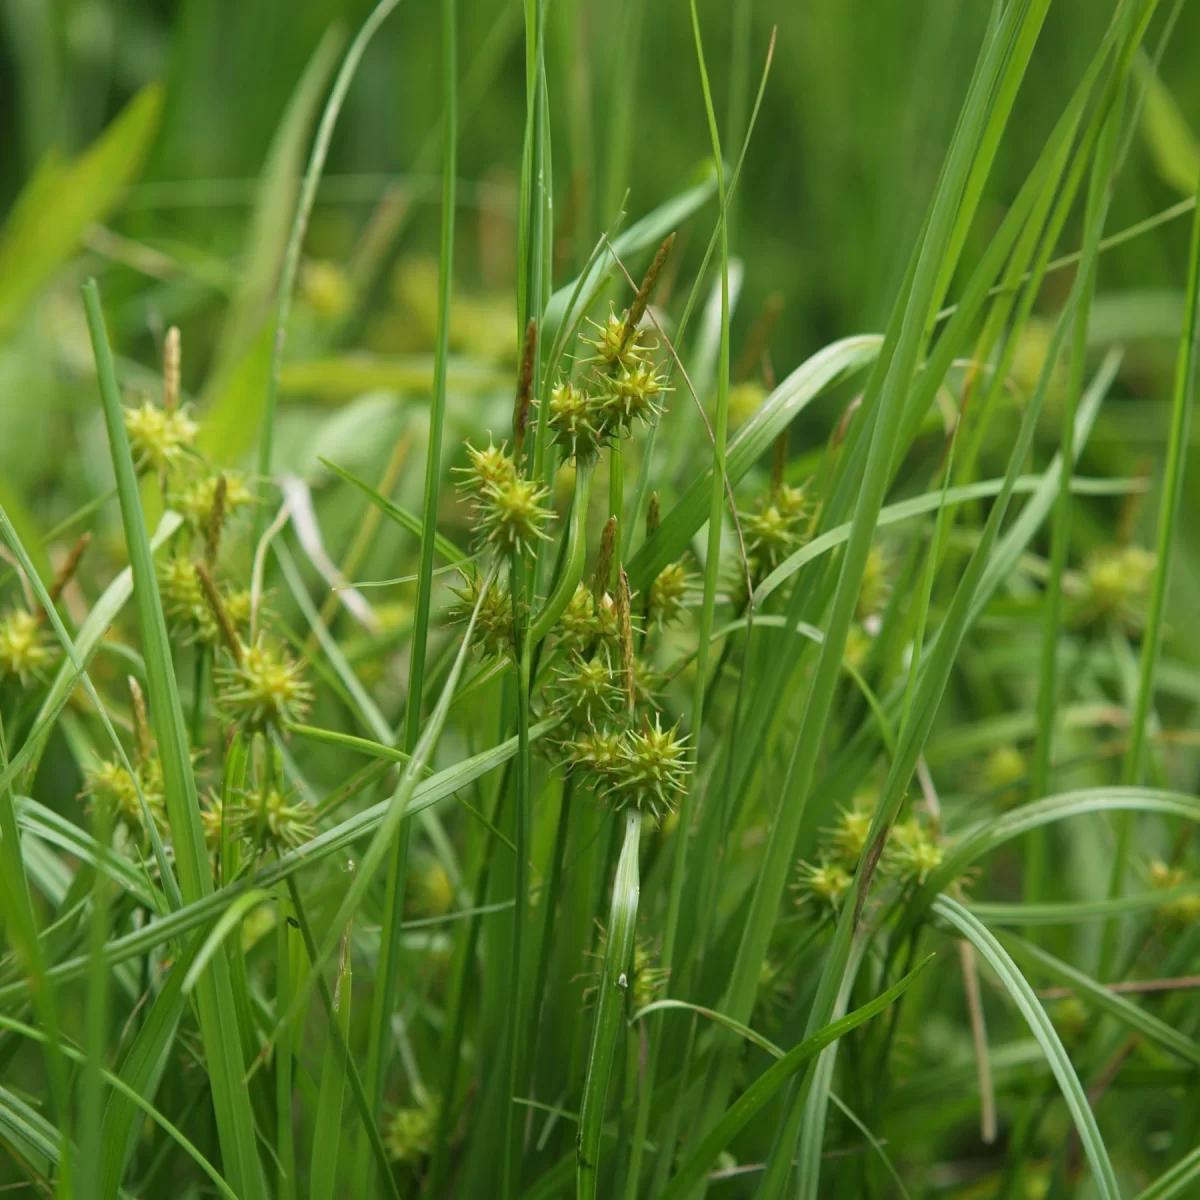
[
  {"x": 410, "y": 1131},
  {"x": 267, "y": 689},
  {"x": 27, "y": 651},
  {"x": 159, "y": 438}
]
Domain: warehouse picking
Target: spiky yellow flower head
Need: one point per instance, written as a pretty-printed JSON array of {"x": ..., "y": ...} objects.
[
  {"x": 848, "y": 838},
  {"x": 410, "y": 1131},
  {"x": 1182, "y": 911},
  {"x": 513, "y": 518},
  {"x": 574, "y": 421},
  {"x": 825, "y": 882},
  {"x": 667, "y": 592},
  {"x": 493, "y": 635},
  {"x": 596, "y": 751},
  {"x": 1003, "y": 770},
  {"x": 912, "y": 852},
  {"x": 158, "y": 439},
  {"x": 612, "y": 345},
  {"x": 26, "y": 648},
  {"x": 266, "y": 688},
  {"x": 274, "y": 819},
  {"x": 632, "y": 394},
  {"x": 744, "y": 401},
  {"x": 651, "y": 772},
  {"x": 577, "y": 624},
  {"x": 776, "y": 528},
  {"x": 585, "y": 690},
  {"x": 195, "y": 501},
  {"x": 1116, "y": 582},
  {"x": 112, "y": 786},
  {"x": 491, "y": 467}
]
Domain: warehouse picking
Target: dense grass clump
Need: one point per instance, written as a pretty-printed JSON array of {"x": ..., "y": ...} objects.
[{"x": 528, "y": 725}]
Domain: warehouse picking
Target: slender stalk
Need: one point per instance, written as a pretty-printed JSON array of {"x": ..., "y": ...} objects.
[
  {"x": 383, "y": 1001},
  {"x": 1133, "y": 766}
]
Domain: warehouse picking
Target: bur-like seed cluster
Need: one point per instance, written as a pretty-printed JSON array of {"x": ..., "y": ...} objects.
[
  {"x": 824, "y": 882},
  {"x": 264, "y": 688},
  {"x": 195, "y": 500},
  {"x": 645, "y": 768},
  {"x": 619, "y": 387},
  {"x": 112, "y": 786},
  {"x": 493, "y": 636},
  {"x": 274, "y": 819},
  {"x": 1115, "y": 586},
  {"x": 159, "y": 438},
  {"x": 27, "y": 651},
  {"x": 665, "y": 603},
  {"x": 410, "y": 1131},
  {"x": 876, "y": 586},
  {"x": 912, "y": 852},
  {"x": 1002, "y": 772},
  {"x": 188, "y": 609},
  {"x": 506, "y": 506}
]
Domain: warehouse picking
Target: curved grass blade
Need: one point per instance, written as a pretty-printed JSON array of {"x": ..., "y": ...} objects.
[
  {"x": 1018, "y": 988},
  {"x": 1180, "y": 1180},
  {"x": 327, "y": 1127},
  {"x": 432, "y": 791},
  {"x": 141, "y": 1069},
  {"x": 1098, "y": 996},
  {"x": 215, "y": 1001},
  {"x": 752, "y": 1100},
  {"x": 291, "y": 258}
]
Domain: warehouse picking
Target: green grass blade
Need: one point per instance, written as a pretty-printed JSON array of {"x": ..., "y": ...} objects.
[
  {"x": 215, "y": 1002},
  {"x": 1104, "y": 1178},
  {"x": 1180, "y": 1180},
  {"x": 752, "y": 1100},
  {"x": 141, "y": 1069},
  {"x": 1100, "y": 997},
  {"x": 407, "y": 520},
  {"x": 295, "y": 243},
  {"x": 610, "y": 1008},
  {"x": 327, "y": 1125}
]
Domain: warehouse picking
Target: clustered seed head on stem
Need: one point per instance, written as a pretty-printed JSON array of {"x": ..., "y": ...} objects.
[
  {"x": 27, "y": 651},
  {"x": 264, "y": 688},
  {"x": 507, "y": 507}
]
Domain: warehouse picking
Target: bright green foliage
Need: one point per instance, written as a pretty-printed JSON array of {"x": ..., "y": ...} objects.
[{"x": 703, "y": 707}]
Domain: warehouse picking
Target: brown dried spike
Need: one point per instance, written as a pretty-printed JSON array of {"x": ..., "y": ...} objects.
[
  {"x": 213, "y": 596},
  {"x": 141, "y": 723},
  {"x": 524, "y": 389},
  {"x": 216, "y": 522},
  {"x": 604, "y": 565},
  {"x": 171, "y": 369},
  {"x": 67, "y": 571},
  {"x": 653, "y": 515},
  {"x": 638, "y": 308},
  {"x": 625, "y": 633}
]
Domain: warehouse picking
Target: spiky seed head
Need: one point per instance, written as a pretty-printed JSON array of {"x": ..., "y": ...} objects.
[
  {"x": 609, "y": 344},
  {"x": 411, "y": 1131},
  {"x": 512, "y": 517},
  {"x": 848, "y": 838},
  {"x": 647, "y": 682},
  {"x": 112, "y": 786},
  {"x": 196, "y": 502},
  {"x": 584, "y": 690},
  {"x": 1116, "y": 582},
  {"x": 824, "y": 882},
  {"x": 911, "y": 852},
  {"x": 27, "y": 650},
  {"x": 652, "y": 769},
  {"x": 494, "y": 625},
  {"x": 274, "y": 819},
  {"x": 667, "y": 592},
  {"x": 770, "y": 535},
  {"x": 158, "y": 439},
  {"x": 630, "y": 395},
  {"x": 578, "y": 620},
  {"x": 489, "y": 467},
  {"x": 267, "y": 689},
  {"x": 574, "y": 422}
]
